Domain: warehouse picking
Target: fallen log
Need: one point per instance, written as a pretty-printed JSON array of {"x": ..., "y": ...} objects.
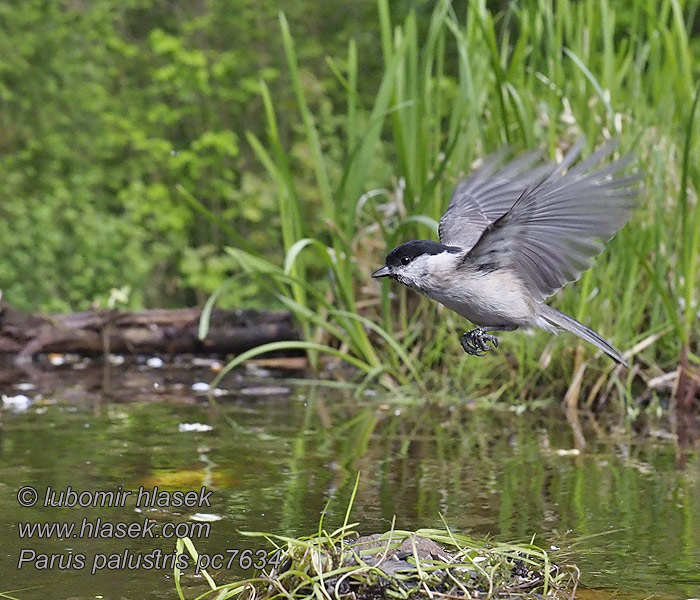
[{"x": 146, "y": 332}]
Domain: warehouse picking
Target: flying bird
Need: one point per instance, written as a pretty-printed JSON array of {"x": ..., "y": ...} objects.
[{"x": 513, "y": 235}]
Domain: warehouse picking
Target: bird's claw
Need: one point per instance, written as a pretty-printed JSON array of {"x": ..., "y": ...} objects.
[{"x": 476, "y": 342}]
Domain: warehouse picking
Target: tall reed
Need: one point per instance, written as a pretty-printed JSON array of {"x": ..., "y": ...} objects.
[{"x": 537, "y": 73}]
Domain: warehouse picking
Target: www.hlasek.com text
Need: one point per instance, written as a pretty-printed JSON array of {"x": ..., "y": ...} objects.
[{"x": 100, "y": 528}]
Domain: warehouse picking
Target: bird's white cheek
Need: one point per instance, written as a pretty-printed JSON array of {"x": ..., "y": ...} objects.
[{"x": 412, "y": 275}]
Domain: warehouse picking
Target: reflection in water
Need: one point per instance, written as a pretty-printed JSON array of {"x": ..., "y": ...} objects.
[
  {"x": 687, "y": 428},
  {"x": 620, "y": 508}
]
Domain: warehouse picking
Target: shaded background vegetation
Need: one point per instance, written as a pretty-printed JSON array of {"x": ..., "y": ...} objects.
[
  {"x": 106, "y": 107},
  {"x": 141, "y": 139}
]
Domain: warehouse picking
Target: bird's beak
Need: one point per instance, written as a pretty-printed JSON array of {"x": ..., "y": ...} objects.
[{"x": 383, "y": 272}]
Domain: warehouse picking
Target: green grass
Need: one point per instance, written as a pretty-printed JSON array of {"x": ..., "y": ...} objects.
[
  {"x": 537, "y": 74},
  {"x": 398, "y": 564},
  {"x": 331, "y": 565}
]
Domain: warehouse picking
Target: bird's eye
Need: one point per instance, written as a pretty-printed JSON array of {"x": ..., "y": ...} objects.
[{"x": 405, "y": 260}]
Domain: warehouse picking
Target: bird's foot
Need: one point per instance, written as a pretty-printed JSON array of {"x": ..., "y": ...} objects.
[{"x": 476, "y": 342}]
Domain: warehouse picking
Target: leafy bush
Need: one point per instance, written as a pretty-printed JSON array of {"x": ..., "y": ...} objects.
[{"x": 121, "y": 157}]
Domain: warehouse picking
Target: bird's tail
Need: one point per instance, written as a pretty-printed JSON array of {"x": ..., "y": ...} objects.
[{"x": 554, "y": 317}]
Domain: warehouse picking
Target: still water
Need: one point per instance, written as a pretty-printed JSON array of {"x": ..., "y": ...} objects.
[{"x": 271, "y": 455}]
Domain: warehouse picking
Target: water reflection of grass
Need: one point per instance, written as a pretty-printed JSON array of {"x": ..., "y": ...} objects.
[
  {"x": 494, "y": 471},
  {"x": 490, "y": 471}
]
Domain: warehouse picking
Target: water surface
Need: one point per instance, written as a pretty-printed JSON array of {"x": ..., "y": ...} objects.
[{"x": 621, "y": 508}]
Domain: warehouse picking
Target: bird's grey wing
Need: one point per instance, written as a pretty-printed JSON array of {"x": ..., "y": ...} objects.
[
  {"x": 555, "y": 228},
  {"x": 486, "y": 195}
]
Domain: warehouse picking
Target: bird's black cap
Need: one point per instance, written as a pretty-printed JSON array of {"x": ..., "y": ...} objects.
[
  {"x": 411, "y": 250},
  {"x": 416, "y": 248}
]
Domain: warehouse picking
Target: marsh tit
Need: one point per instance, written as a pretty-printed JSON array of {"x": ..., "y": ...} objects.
[{"x": 514, "y": 235}]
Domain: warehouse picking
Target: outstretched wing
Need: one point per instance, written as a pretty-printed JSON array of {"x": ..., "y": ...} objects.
[
  {"x": 486, "y": 195},
  {"x": 555, "y": 228}
]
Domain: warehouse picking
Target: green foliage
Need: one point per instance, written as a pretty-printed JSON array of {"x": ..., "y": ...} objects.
[
  {"x": 454, "y": 87},
  {"x": 111, "y": 114},
  {"x": 139, "y": 140}
]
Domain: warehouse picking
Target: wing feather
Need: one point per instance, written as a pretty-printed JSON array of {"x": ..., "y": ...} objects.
[
  {"x": 487, "y": 194},
  {"x": 553, "y": 230}
]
